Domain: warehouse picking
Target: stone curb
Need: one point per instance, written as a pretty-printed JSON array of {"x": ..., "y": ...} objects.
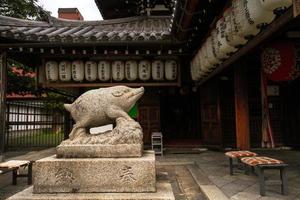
[{"x": 211, "y": 191}]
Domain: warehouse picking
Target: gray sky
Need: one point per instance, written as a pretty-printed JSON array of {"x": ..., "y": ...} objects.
[{"x": 87, "y": 8}]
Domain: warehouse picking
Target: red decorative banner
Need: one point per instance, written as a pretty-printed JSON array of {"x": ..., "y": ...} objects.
[{"x": 279, "y": 61}]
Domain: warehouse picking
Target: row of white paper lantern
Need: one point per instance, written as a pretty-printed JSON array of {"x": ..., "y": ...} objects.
[
  {"x": 241, "y": 21},
  {"x": 117, "y": 70}
]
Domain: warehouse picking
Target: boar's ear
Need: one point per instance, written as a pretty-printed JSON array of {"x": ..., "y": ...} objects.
[{"x": 117, "y": 93}]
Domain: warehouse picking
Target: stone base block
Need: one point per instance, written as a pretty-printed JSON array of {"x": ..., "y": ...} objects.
[
  {"x": 164, "y": 192},
  {"x": 99, "y": 151},
  {"x": 80, "y": 175}
]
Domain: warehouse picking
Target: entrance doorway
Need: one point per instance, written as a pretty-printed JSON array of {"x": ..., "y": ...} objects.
[{"x": 180, "y": 120}]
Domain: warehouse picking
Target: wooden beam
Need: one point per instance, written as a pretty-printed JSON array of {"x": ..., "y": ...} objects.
[
  {"x": 80, "y": 85},
  {"x": 296, "y": 8},
  {"x": 273, "y": 28},
  {"x": 241, "y": 108},
  {"x": 3, "y": 66},
  {"x": 187, "y": 17},
  {"x": 142, "y": 43}
]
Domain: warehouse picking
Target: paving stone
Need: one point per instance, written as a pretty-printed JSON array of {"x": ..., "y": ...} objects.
[
  {"x": 212, "y": 192},
  {"x": 195, "y": 196},
  {"x": 198, "y": 175},
  {"x": 248, "y": 177},
  {"x": 254, "y": 188},
  {"x": 244, "y": 183},
  {"x": 297, "y": 198},
  {"x": 245, "y": 196},
  {"x": 231, "y": 189},
  {"x": 187, "y": 183},
  {"x": 220, "y": 181}
]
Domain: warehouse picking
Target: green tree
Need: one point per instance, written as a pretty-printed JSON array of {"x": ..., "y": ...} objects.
[
  {"x": 20, "y": 79},
  {"x": 23, "y": 9}
]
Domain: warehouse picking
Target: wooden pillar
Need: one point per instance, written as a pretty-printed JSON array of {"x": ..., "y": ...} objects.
[
  {"x": 241, "y": 108},
  {"x": 2, "y": 101}
]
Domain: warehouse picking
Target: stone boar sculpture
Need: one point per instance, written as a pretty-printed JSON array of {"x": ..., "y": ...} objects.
[{"x": 101, "y": 107}]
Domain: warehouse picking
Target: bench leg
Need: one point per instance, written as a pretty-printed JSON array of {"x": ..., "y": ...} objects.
[
  {"x": 246, "y": 169},
  {"x": 14, "y": 176},
  {"x": 283, "y": 181},
  {"x": 29, "y": 174},
  {"x": 230, "y": 166},
  {"x": 262, "y": 185}
]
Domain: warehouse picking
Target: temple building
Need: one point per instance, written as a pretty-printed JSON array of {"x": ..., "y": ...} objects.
[{"x": 221, "y": 74}]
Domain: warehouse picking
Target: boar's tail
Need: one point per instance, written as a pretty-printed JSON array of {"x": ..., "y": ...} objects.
[{"x": 68, "y": 107}]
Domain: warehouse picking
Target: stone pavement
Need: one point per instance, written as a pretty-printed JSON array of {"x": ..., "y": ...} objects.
[
  {"x": 198, "y": 176},
  {"x": 212, "y": 175}
]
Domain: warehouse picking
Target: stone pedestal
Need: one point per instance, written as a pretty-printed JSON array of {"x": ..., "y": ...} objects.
[
  {"x": 99, "y": 151},
  {"x": 84, "y": 175},
  {"x": 164, "y": 192}
]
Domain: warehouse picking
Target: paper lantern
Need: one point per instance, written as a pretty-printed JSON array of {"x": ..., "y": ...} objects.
[
  {"x": 104, "y": 70},
  {"x": 275, "y": 4},
  {"x": 157, "y": 70},
  {"x": 204, "y": 61},
  {"x": 216, "y": 46},
  {"x": 211, "y": 57},
  {"x": 196, "y": 72},
  {"x": 131, "y": 72},
  {"x": 77, "y": 70},
  {"x": 279, "y": 61},
  {"x": 198, "y": 58},
  {"x": 65, "y": 72},
  {"x": 171, "y": 70},
  {"x": 231, "y": 29},
  {"x": 193, "y": 70},
  {"x": 201, "y": 70},
  {"x": 90, "y": 70},
  {"x": 202, "y": 64},
  {"x": 51, "y": 68},
  {"x": 118, "y": 73},
  {"x": 144, "y": 70},
  {"x": 238, "y": 17},
  {"x": 254, "y": 16},
  {"x": 224, "y": 47}
]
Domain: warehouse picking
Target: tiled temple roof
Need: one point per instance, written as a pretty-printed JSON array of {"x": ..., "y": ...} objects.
[{"x": 141, "y": 28}]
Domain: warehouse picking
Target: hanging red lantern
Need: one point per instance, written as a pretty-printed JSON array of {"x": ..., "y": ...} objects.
[{"x": 279, "y": 61}]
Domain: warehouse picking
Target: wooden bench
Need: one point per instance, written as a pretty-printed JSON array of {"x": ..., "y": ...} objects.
[
  {"x": 266, "y": 163},
  {"x": 14, "y": 166},
  {"x": 237, "y": 155}
]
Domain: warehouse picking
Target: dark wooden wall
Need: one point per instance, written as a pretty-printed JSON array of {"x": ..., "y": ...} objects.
[
  {"x": 180, "y": 115},
  {"x": 255, "y": 106},
  {"x": 149, "y": 114},
  {"x": 290, "y": 103},
  {"x": 211, "y": 124},
  {"x": 228, "y": 110}
]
